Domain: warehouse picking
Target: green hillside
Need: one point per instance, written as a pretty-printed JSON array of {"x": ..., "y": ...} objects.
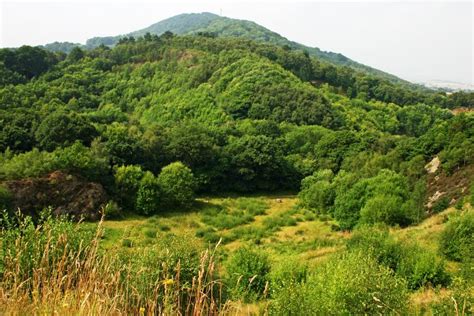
[
  {"x": 195, "y": 23},
  {"x": 233, "y": 176}
]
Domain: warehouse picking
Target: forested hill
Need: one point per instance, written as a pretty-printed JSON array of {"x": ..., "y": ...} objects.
[
  {"x": 215, "y": 25},
  {"x": 240, "y": 115}
]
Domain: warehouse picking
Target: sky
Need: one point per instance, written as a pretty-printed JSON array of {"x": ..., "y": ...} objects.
[{"x": 417, "y": 41}]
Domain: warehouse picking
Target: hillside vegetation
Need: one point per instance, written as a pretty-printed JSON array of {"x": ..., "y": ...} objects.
[{"x": 234, "y": 176}]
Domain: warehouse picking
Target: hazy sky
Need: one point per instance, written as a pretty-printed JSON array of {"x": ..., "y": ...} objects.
[{"x": 418, "y": 41}]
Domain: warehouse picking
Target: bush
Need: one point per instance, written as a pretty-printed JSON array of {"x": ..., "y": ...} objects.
[
  {"x": 350, "y": 284},
  {"x": 275, "y": 222},
  {"x": 251, "y": 206},
  {"x": 248, "y": 274},
  {"x": 418, "y": 266},
  {"x": 459, "y": 302},
  {"x": 288, "y": 273},
  {"x": 150, "y": 233},
  {"x": 127, "y": 182},
  {"x": 112, "y": 210},
  {"x": 421, "y": 267},
  {"x": 317, "y": 192},
  {"x": 148, "y": 196},
  {"x": 441, "y": 205},
  {"x": 383, "y": 209},
  {"x": 458, "y": 236},
  {"x": 177, "y": 184},
  {"x": 77, "y": 158},
  {"x": 383, "y": 198},
  {"x": 471, "y": 198},
  {"x": 127, "y": 243}
]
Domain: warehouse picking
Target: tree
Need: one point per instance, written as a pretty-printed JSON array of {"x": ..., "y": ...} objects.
[
  {"x": 123, "y": 144},
  {"x": 60, "y": 129},
  {"x": 382, "y": 198},
  {"x": 27, "y": 61},
  {"x": 148, "y": 195},
  {"x": 382, "y": 209},
  {"x": 76, "y": 54},
  {"x": 317, "y": 192},
  {"x": 127, "y": 182},
  {"x": 255, "y": 162},
  {"x": 177, "y": 184}
]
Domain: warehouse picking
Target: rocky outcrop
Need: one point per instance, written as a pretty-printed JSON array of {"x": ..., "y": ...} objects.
[{"x": 66, "y": 194}]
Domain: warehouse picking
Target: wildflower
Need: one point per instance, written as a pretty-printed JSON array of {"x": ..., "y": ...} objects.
[{"x": 168, "y": 282}]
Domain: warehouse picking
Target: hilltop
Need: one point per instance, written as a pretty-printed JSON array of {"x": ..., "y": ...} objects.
[{"x": 215, "y": 25}]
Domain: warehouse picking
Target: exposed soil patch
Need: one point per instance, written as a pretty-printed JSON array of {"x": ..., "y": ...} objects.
[
  {"x": 66, "y": 194},
  {"x": 450, "y": 186}
]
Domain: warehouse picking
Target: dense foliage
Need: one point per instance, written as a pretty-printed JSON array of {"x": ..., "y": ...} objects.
[
  {"x": 238, "y": 115},
  {"x": 352, "y": 284}
]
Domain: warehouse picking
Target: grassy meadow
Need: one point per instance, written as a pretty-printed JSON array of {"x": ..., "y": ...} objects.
[{"x": 184, "y": 262}]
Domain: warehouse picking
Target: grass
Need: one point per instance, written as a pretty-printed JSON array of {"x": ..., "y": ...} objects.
[
  {"x": 50, "y": 270},
  {"x": 272, "y": 221},
  {"x": 273, "y": 224}
]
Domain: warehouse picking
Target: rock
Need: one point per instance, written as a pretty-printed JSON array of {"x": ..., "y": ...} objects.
[
  {"x": 66, "y": 194},
  {"x": 433, "y": 165},
  {"x": 435, "y": 197}
]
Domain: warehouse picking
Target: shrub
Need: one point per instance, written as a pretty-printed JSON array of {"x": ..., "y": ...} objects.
[
  {"x": 458, "y": 236},
  {"x": 252, "y": 206},
  {"x": 459, "y": 302},
  {"x": 317, "y": 192},
  {"x": 248, "y": 274},
  {"x": 112, "y": 210},
  {"x": 287, "y": 273},
  {"x": 127, "y": 182},
  {"x": 421, "y": 267},
  {"x": 275, "y": 222},
  {"x": 471, "y": 198},
  {"x": 148, "y": 196},
  {"x": 441, "y": 205},
  {"x": 30, "y": 164},
  {"x": 150, "y": 233},
  {"x": 127, "y": 243},
  {"x": 383, "y": 209},
  {"x": 177, "y": 184},
  {"x": 418, "y": 266},
  {"x": 162, "y": 262},
  {"x": 386, "y": 187},
  {"x": 350, "y": 284},
  {"x": 77, "y": 158},
  {"x": 318, "y": 196}
]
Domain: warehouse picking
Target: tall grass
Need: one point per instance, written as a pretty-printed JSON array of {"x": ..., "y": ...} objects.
[{"x": 55, "y": 267}]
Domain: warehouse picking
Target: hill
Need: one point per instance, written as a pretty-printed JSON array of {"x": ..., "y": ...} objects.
[
  {"x": 233, "y": 175},
  {"x": 195, "y": 23}
]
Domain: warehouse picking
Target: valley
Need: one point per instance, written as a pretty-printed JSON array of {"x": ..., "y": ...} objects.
[{"x": 207, "y": 165}]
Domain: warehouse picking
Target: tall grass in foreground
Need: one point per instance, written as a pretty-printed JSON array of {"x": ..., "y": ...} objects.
[{"x": 57, "y": 267}]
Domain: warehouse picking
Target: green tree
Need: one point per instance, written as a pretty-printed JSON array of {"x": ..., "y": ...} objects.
[
  {"x": 177, "y": 184},
  {"x": 60, "y": 129},
  {"x": 76, "y": 54},
  {"x": 127, "y": 182},
  {"x": 123, "y": 144},
  {"x": 148, "y": 195}
]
